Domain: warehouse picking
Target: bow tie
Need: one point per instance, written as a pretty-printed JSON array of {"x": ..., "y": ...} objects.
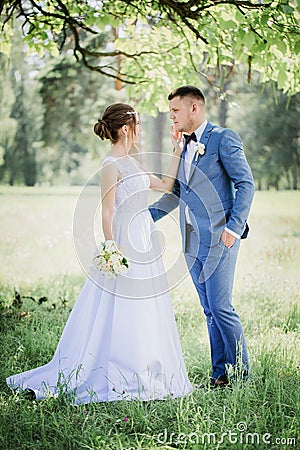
[{"x": 189, "y": 137}]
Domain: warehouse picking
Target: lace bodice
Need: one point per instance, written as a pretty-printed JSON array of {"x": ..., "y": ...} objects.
[{"x": 132, "y": 188}]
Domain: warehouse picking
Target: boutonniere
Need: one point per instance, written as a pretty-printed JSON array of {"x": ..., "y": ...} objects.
[{"x": 199, "y": 150}]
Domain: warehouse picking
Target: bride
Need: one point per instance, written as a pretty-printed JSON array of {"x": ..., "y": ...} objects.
[{"x": 120, "y": 341}]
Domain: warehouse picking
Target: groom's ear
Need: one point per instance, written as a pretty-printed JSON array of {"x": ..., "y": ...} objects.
[
  {"x": 198, "y": 109},
  {"x": 194, "y": 107}
]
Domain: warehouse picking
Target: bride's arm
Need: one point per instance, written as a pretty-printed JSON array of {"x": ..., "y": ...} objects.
[
  {"x": 109, "y": 179},
  {"x": 167, "y": 183}
]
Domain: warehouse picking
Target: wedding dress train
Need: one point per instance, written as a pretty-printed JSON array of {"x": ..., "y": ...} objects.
[{"x": 120, "y": 341}]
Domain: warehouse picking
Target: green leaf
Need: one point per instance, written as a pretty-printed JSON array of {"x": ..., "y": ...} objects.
[
  {"x": 228, "y": 24},
  {"x": 5, "y": 47},
  {"x": 282, "y": 77},
  {"x": 239, "y": 16},
  {"x": 249, "y": 40},
  {"x": 280, "y": 44},
  {"x": 241, "y": 34},
  {"x": 287, "y": 9},
  {"x": 297, "y": 47}
]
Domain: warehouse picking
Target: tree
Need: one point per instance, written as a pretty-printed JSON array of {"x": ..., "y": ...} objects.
[
  {"x": 8, "y": 125},
  {"x": 48, "y": 109},
  {"x": 20, "y": 122},
  {"x": 157, "y": 132},
  {"x": 167, "y": 43},
  {"x": 268, "y": 122},
  {"x": 73, "y": 99}
]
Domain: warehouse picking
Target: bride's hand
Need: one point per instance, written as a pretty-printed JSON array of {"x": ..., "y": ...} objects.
[{"x": 176, "y": 138}]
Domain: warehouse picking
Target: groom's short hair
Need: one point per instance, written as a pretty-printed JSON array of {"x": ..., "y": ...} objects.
[{"x": 187, "y": 91}]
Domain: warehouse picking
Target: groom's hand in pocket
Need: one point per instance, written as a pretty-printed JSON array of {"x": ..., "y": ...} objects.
[{"x": 228, "y": 239}]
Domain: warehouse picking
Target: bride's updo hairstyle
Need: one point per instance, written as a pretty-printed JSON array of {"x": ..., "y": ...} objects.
[{"x": 115, "y": 117}]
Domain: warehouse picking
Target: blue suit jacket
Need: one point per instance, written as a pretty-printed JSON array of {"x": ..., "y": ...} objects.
[{"x": 219, "y": 191}]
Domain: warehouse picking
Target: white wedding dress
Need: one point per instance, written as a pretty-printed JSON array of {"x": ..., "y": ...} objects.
[{"x": 120, "y": 341}]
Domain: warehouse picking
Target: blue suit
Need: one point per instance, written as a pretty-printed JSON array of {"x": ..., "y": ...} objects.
[{"x": 218, "y": 193}]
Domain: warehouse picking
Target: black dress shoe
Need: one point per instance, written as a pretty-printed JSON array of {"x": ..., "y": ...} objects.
[
  {"x": 220, "y": 382},
  {"x": 214, "y": 383}
]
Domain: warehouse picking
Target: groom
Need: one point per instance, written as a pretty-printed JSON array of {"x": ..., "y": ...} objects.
[{"x": 214, "y": 190}]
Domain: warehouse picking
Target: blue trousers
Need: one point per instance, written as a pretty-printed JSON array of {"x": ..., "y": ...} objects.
[{"x": 212, "y": 271}]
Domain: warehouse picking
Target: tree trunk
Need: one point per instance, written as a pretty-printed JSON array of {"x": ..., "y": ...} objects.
[
  {"x": 118, "y": 82},
  {"x": 295, "y": 178},
  {"x": 158, "y": 130},
  {"x": 224, "y": 107},
  {"x": 288, "y": 177},
  {"x": 259, "y": 184},
  {"x": 11, "y": 179}
]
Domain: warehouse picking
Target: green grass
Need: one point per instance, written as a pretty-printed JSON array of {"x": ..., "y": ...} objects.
[{"x": 38, "y": 262}]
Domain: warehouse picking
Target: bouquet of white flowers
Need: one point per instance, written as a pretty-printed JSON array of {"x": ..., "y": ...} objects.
[{"x": 109, "y": 260}]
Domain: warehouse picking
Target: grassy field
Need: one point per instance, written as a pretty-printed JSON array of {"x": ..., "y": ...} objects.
[{"x": 40, "y": 278}]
